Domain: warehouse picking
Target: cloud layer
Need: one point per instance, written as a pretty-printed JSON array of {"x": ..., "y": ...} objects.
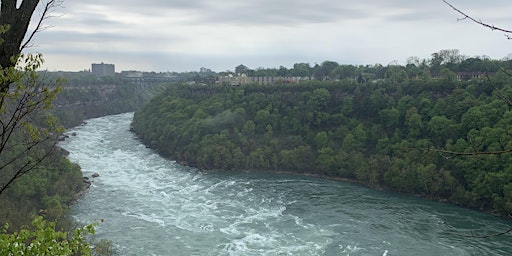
[{"x": 179, "y": 35}]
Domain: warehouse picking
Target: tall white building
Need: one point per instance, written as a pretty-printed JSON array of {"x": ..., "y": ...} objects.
[{"x": 103, "y": 69}]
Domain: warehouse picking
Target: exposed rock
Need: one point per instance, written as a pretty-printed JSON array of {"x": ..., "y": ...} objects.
[
  {"x": 73, "y": 134},
  {"x": 62, "y": 137},
  {"x": 95, "y": 175},
  {"x": 84, "y": 190},
  {"x": 88, "y": 182},
  {"x": 63, "y": 151}
]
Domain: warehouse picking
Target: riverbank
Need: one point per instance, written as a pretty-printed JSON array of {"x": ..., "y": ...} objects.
[
  {"x": 354, "y": 181},
  {"x": 337, "y": 129},
  {"x": 152, "y": 205}
]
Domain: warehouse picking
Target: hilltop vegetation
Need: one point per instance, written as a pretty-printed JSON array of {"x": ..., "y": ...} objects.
[
  {"x": 445, "y": 62},
  {"x": 381, "y": 132}
]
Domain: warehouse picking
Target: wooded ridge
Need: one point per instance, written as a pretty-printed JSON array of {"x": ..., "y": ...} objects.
[{"x": 401, "y": 135}]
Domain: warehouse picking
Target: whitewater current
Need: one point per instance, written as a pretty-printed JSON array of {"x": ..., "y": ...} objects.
[{"x": 153, "y": 206}]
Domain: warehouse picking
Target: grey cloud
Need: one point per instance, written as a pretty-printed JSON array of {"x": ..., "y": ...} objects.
[
  {"x": 62, "y": 40},
  {"x": 75, "y": 36},
  {"x": 284, "y": 12},
  {"x": 152, "y": 7},
  {"x": 96, "y": 22}
]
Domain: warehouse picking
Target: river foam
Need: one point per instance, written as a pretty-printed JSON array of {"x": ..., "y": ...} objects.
[{"x": 153, "y": 206}]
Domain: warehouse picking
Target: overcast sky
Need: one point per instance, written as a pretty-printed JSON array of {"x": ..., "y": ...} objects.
[{"x": 185, "y": 35}]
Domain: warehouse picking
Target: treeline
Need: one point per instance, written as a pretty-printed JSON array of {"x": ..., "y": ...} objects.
[
  {"x": 444, "y": 61},
  {"x": 383, "y": 134}
]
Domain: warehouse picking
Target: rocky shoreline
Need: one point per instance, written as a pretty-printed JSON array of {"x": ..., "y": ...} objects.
[{"x": 88, "y": 183}]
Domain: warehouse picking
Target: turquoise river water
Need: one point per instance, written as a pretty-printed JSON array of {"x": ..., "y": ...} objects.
[{"x": 154, "y": 206}]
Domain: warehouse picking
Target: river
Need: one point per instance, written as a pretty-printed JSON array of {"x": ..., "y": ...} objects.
[{"x": 154, "y": 206}]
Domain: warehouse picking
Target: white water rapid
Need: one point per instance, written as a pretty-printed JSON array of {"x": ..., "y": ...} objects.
[{"x": 153, "y": 206}]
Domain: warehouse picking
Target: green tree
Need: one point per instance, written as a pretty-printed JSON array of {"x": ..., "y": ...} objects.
[
  {"x": 324, "y": 71},
  {"x": 28, "y": 132},
  {"x": 23, "y": 96},
  {"x": 321, "y": 139},
  {"x": 24, "y": 136},
  {"x": 390, "y": 117},
  {"x": 43, "y": 239},
  {"x": 396, "y": 74},
  {"x": 438, "y": 127},
  {"x": 301, "y": 70}
]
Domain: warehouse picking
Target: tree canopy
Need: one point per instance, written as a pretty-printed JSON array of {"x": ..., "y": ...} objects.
[{"x": 384, "y": 133}]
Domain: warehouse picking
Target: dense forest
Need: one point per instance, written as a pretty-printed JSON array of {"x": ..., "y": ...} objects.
[{"x": 418, "y": 134}]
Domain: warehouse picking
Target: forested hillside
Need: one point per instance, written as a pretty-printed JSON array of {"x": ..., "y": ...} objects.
[
  {"x": 49, "y": 189},
  {"x": 382, "y": 133}
]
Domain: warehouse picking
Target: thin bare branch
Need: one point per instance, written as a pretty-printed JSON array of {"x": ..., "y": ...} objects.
[
  {"x": 45, "y": 14},
  {"x": 27, "y": 167},
  {"x": 490, "y": 26},
  {"x": 500, "y": 95}
]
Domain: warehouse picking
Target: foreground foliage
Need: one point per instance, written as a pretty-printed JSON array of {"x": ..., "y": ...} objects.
[
  {"x": 379, "y": 133},
  {"x": 36, "y": 178},
  {"x": 43, "y": 239},
  {"x": 48, "y": 190}
]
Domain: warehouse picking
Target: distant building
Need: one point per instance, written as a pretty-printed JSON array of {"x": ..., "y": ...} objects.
[
  {"x": 103, "y": 69},
  {"x": 233, "y": 80},
  {"x": 267, "y": 80},
  {"x": 466, "y": 76}
]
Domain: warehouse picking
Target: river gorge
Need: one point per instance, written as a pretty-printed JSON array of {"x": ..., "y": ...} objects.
[{"x": 153, "y": 206}]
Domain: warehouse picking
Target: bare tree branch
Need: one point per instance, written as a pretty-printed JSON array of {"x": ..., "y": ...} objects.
[
  {"x": 45, "y": 14},
  {"x": 24, "y": 143},
  {"x": 491, "y": 27},
  {"x": 27, "y": 167}
]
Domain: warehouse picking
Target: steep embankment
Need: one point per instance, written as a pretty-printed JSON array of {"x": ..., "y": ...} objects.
[
  {"x": 375, "y": 133},
  {"x": 75, "y": 104}
]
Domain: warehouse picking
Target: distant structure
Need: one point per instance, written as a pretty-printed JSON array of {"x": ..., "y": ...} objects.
[
  {"x": 103, "y": 69},
  {"x": 132, "y": 74},
  {"x": 466, "y": 76},
  {"x": 266, "y": 80},
  {"x": 241, "y": 78},
  {"x": 145, "y": 79}
]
